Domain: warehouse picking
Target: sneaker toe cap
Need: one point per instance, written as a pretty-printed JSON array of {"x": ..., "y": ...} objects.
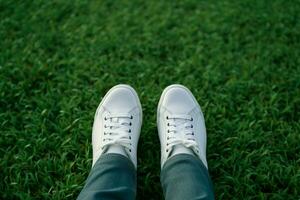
[
  {"x": 178, "y": 100},
  {"x": 121, "y": 99}
]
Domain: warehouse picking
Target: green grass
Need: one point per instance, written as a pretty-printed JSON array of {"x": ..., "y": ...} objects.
[{"x": 241, "y": 59}]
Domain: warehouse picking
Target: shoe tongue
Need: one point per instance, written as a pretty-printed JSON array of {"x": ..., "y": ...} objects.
[
  {"x": 179, "y": 121},
  {"x": 118, "y": 120},
  {"x": 115, "y": 120},
  {"x": 180, "y": 149},
  {"x": 118, "y": 149}
]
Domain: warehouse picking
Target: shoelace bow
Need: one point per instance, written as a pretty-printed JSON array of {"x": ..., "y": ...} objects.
[
  {"x": 117, "y": 129},
  {"x": 180, "y": 131}
]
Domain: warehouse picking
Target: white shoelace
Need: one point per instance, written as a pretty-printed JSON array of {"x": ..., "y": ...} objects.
[
  {"x": 117, "y": 129},
  {"x": 180, "y": 131}
]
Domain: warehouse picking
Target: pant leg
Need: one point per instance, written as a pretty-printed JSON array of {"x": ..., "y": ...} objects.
[
  {"x": 112, "y": 177},
  {"x": 184, "y": 177}
]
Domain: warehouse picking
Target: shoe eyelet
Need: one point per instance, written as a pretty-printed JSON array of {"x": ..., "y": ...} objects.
[
  {"x": 192, "y": 126},
  {"x": 130, "y": 124},
  {"x": 167, "y": 144},
  {"x": 167, "y": 150},
  {"x": 105, "y": 118},
  {"x": 131, "y": 117},
  {"x": 129, "y": 131},
  {"x": 168, "y": 124},
  {"x": 168, "y": 131},
  {"x": 192, "y": 119},
  {"x": 167, "y": 117},
  {"x": 129, "y": 150},
  {"x": 130, "y": 138}
]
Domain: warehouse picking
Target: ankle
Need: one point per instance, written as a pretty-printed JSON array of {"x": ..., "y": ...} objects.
[
  {"x": 117, "y": 149},
  {"x": 180, "y": 149}
]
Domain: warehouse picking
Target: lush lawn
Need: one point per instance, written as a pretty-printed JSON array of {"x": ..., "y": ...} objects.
[{"x": 240, "y": 58}]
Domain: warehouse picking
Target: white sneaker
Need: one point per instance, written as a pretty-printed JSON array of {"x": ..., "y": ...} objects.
[
  {"x": 117, "y": 124},
  {"x": 181, "y": 125}
]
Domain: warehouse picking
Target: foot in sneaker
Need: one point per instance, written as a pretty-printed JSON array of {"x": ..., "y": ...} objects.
[
  {"x": 181, "y": 125},
  {"x": 117, "y": 124}
]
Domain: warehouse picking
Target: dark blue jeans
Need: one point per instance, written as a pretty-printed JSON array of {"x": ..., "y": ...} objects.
[{"x": 183, "y": 177}]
